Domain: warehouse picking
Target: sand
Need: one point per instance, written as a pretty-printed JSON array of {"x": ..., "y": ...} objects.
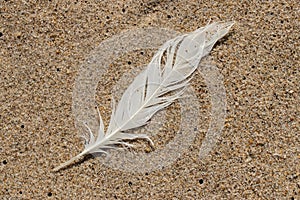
[{"x": 44, "y": 46}]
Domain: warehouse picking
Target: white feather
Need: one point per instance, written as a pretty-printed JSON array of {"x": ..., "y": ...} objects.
[{"x": 159, "y": 85}]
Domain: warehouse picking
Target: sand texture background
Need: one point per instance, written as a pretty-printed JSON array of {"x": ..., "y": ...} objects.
[{"x": 44, "y": 43}]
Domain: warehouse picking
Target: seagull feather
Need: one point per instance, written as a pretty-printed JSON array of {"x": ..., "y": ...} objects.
[{"x": 158, "y": 86}]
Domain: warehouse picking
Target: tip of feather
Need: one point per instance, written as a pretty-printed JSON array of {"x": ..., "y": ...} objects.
[{"x": 65, "y": 164}]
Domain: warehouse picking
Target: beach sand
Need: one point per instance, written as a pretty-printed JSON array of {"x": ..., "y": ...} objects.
[{"x": 43, "y": 48}]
